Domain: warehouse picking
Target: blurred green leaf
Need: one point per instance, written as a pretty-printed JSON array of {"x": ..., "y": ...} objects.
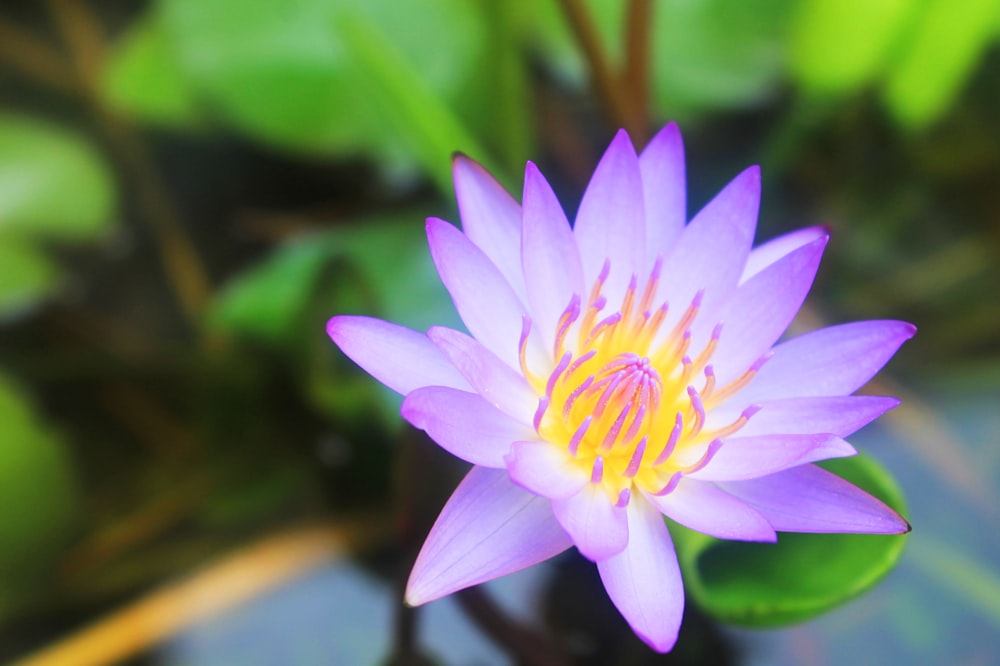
[
  {"x": 947, "y": 43},
  {"x": 803, "y": 575},
  {"x": 52, "y": 182},
  {"x": 399, "y": 96},
  {"x": 379, "y": 266},
  {"x": 840, "y": 45},
  {"x": 143, "y": 78},
  {"x": 36, "y": 490},
  {"x": 277, "y": 71},
  {"x": 266, "y": 301},
  {"x": 26, "y": 276},
  {"x": 718, "y": 53}
]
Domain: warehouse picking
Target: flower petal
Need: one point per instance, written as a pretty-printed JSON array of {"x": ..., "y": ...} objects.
[
  {"x": 491, "y": 218},
  {"x": 838, "y": 415},
  {"x": 551, "y": 261},
  {"x": 710, "y": 253},
  {"x": 545, "y": 469},
  {"x": 761, "y": 310},
  {"x": 484, "y": 299},
  {"x": 498, "y": 384},
  {"x": 837, "y": 360},
  {"x": 397, "y": 356},
  {"x": 489, "y": 528},
  {"x": 763, "y": 256},
  {"x": 598, "y": 528},
  {"x": 810, "y": 499},
  {"x": 644, "y": 580},
  {"x": 708, "y": 509},
  {"x": 664, "y": 189},
  {"x": 742, "y": 458},
  {"x": 611, "y": 223},
  {"x": 464, "y": 424}
]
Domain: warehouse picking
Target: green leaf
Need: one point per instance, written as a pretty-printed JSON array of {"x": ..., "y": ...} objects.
[
  {"x": 26, "y": 276},
  {"x": 277, "y": 71},
  {"x": 143, "y": 78},
  {"x": 52, "y": 182},
  {"x": 948, "y": 42},
  {"x": 379, "y": 266},
  {"x": 399, "y": 96},
  {"x": 838, "y": 46},
  {"x": 718, "y": 53},
  {"x": 266, "y": 301},
  {"x": 36, "y": 489},
  {"x": 803, "y": 575}
]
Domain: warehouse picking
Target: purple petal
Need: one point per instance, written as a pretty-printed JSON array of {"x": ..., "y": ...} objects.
[
  {"x": 706, "y": 508},
  {"x": 397, "y": 356},
  {"x": 611, "y": 223},
  {"x": 498, "y": 384},
  {"x": 644, "y": 580},
  {"x": 464, "y": 424},
  {"x": 837, "y": 360},
  {"x": 491, "y": 218},
  {"x": 710, "y": 253},
  {"x": 838, "y": 415},
  {"x": 546, "y": 469},
  {"x": 664, "y": 190},
  {"x": 598, "y": 528},
  {"x": 763, "y": 256},
  {"x": 550, "y": 257},
  {"x": 810, "y": 499},
  {"x": 485, "y": 301},
  {"x": 489, "y": 528},
  {"x": 742, "y": 458},
  {"x": 761, "y": 310}
]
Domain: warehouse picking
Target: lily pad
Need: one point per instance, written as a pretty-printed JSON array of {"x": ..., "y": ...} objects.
[{"x": 801, "y": 576}]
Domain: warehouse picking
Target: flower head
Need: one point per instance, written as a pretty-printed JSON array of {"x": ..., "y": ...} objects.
[{"x": 622, "y": 370}]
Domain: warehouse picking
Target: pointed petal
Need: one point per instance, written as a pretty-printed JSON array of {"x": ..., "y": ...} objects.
[
  {"x": 485, "y": 301},
  {"x": 397, "y": 356},
  {"x": 742, "y": 458},
  {"x": 545, "y": 469},
  {"x": 810, "y": 499},
  {"x": 838, "y": 415},
  {"x": 837, "y": 360},
  {"x": 761, "y": 310},
  {"x": 489, "y": 528},
  {"x": 763, "y": 256},
  {"x": 706, "y": 508},
  {"x": 464, "y": 424},
  {"x": 664, "y": 188},
  {"x": 611, "y": 223},
  {"x": 552, "y": 267},
  {"x": 491, "y": 218},
  {"x": 644, "y": 580},
  {"x": 498, "y": 383},
  {"x": 710, "y": 253},
  {"x": 598, "y": 528}
]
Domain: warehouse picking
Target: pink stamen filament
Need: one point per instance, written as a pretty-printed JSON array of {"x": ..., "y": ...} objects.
[
  {"x": 675, "y": 435},
  {"x": 543, "y": 404},
  {"x": 597, "y": 475},
  {"x": 636, "y": 461},
  {"x": 671, "y": 485},
  {"x": 612, "y": 435},
  {"x": 574, "y": 442}
]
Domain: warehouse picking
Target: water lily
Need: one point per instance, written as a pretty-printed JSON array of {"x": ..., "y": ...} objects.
[{"x": 623, "y": 370}]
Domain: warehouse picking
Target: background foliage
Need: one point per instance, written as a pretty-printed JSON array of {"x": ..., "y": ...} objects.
[{"x": 190, "y": 188}]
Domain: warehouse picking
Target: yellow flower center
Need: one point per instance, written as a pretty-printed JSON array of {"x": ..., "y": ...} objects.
[{"x": 626, "y": 399}]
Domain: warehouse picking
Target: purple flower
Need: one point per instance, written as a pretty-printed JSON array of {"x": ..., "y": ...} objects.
[{"x": 623, "y": 370}]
